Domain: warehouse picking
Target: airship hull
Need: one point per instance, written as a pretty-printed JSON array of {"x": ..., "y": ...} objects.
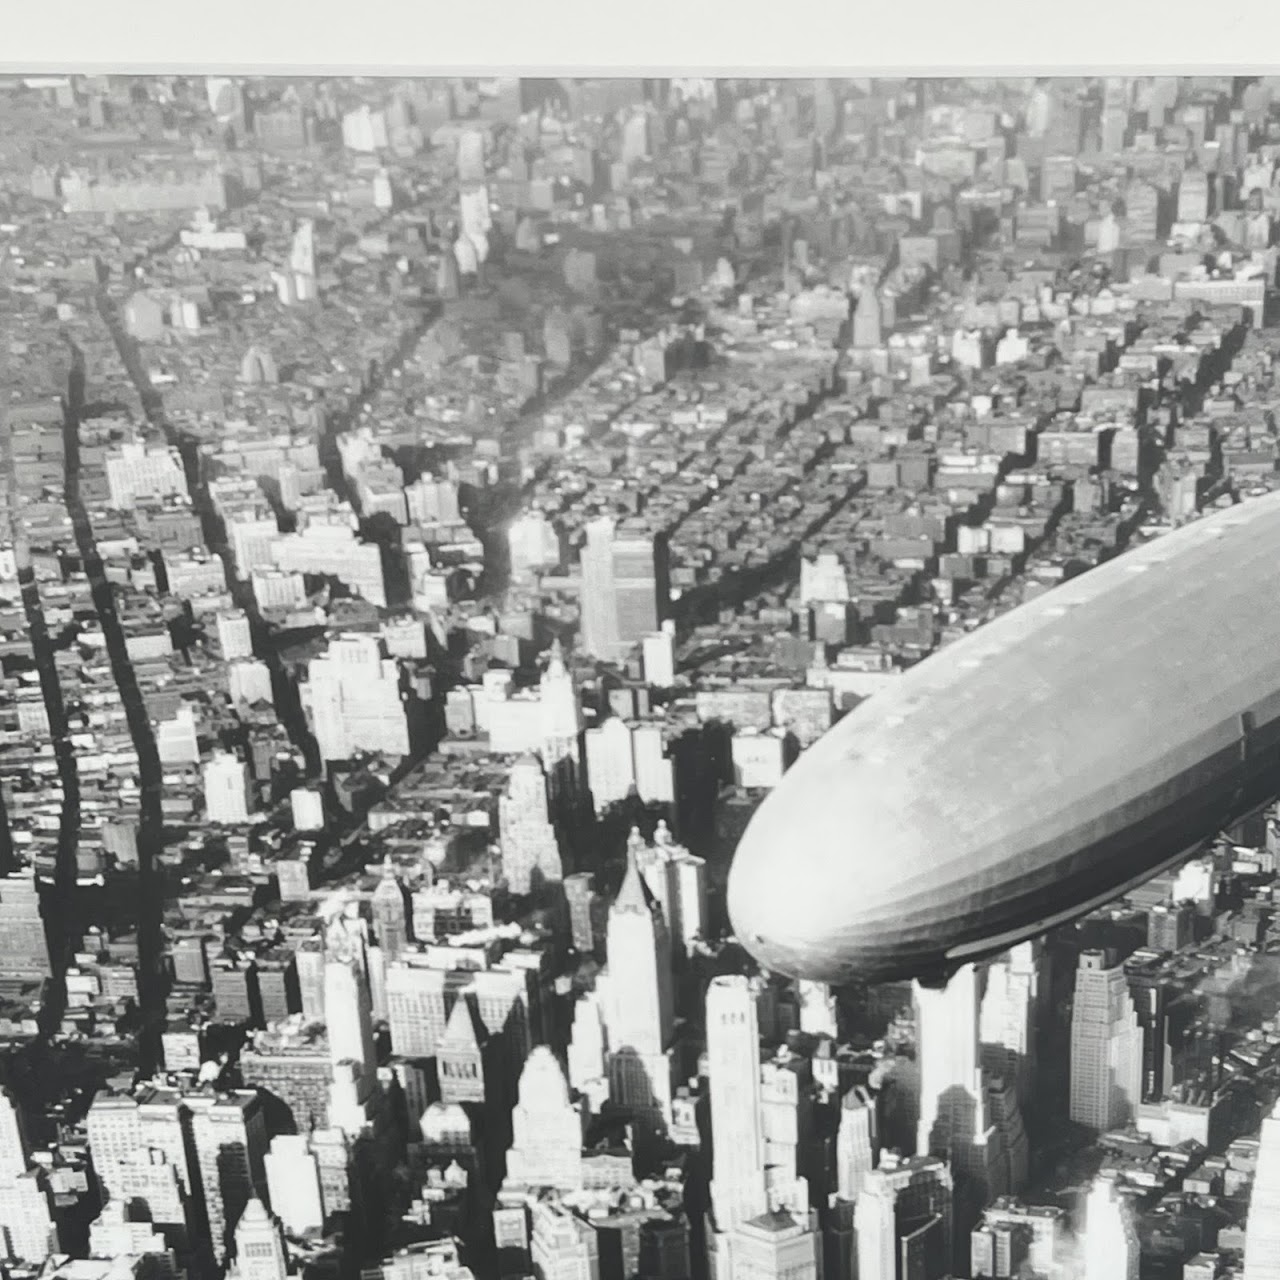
[{"x": 1031, "y": 772}]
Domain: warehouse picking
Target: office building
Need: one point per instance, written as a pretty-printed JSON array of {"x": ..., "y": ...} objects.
[
  {"x": 534, "y": 544},
  {"x": 657, "y": 651},
  {"x": 954, "y": 1115},
  {"x": 639, "y": 1007},
  {"x": 1262, "y": 1228},
  {"x": 114, "y": 1132},
  {"x": 527, "y": 838},
  {"x": 24, "y": 948},
  {"x": 546, "y": 1145},
  {"x": 348, "y": 1015},
  {"x": 903, "y": 1220},
  {"x": 677, "y": 880},
  {"x": 561, "y": 1245},
  {"x": 611, "y": 770},
  {"x": 260, "y": 1253},
  {"x": 355, "y": 700},
  {"x": 13, "y": 1142},
  {"x": 1007, "y": 1017},
  {"x": 307, "y": 807},
  {"x": 390, "y": 914},
  {"x": 817, "y": 1008},
  {"x": 1106, "y": 1046},
  {"x": 622, "y": 590},
  {"x": 738, "y": 1191},
  {"x": 1110, "y": 1244},
  {"x": 235, "y": 636},
  {"x": 137, "y": 470},
  {"x": 228, "y": 792},
  {"x": 230, "y": 1138},
  {"x": 857, "y": 1147},
  {"x": 27, "y": 1226},
  {"x": 777, "y": 1245}
]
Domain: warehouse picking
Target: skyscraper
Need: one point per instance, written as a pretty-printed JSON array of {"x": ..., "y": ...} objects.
[
  {"x": 260, "y": 1251},
  {"x": 1007, "y": 1019},
  {"x": 561, "y": 714},
  {"x": 390, "y": 917},
  {"x": 293, "y": 1184},
  {"x": 530, "y": 851},
  {"x": 1106, "y": 1046},
  {"x": 115, "y": 1132},
  {"x": 955, "y": 1119},
  {"x": 611, "y": 771},
  {"x": 856, "y": 1145},
  {"x": 817, "y": 1008},
  {"x": 348, "y": 1015},
  {"x": 639, "y": 1006},
  {"x": 1110, "y": 1243},
  {"x": 546, "y": 1145},
  {"x": 904, "y": 1211},
  {"x": 737, "y": 1117},
  {"x": 13, "y": 1142},
  {"x": 355, "y": 700},
  {"x": 562, "y": 1246},
  {"x": 622, "y": 588},
  {"x": 230, "y": 1138},
  {"x": 1262, "y": 1231},
  {"x": 677, "y": 880}
]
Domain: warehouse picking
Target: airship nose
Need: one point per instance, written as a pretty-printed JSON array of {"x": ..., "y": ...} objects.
[{"x": 783, "y": 906}]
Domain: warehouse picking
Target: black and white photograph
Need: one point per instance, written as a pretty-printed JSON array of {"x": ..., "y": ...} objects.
[{"x": 661, "y": 676}]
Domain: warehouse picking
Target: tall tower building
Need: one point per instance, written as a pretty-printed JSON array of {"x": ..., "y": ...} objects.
[
  {"x": 546, "y": 1146},
  {"x": 640, "y": 1009},
  {"x": 348, "y": 1015},
  {"x": 955, "y": 1121},
  {"x": 738, "y": 1191},
  {"x": 639, "y": 1003},
  {"x": 390, "y": 917},
  {"x": 530, "y": 851},
  {"x": 677, "y": 879},
  {"x": 622, "y": 589},
  {"x": 293, "y": 1184},
  {"x": 1106, "y": 1046},
  {"x": 1007, "y": 1021},
  {"x": 611, "y": 770},
  {"x": 114, "y": 1130},
  {"x": 230, "y": 1138},
  {"x": 356, "y": 704},
  {"x": 817, "y": 1008},
  {"x": 903, "y": 1220},
  {"x": 561, "y": 714},
  {"x": 856, "y": 1145},
  {"x": 13, "y": 1142},
  {"x": 1262, "y": 1230},
  {"x": 227, "y": 793},
  {"x": 260, "y": 1251},
  {"x": 1110, "y": 1242}
]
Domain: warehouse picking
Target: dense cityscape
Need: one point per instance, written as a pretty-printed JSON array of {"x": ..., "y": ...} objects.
[{"x": 439, "y": 512}]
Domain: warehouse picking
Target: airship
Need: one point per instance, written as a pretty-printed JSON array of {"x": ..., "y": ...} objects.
[{"x": 1036, "y": 769}]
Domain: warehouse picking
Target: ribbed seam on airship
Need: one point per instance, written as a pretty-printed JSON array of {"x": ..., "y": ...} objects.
[{"x": 1036, "y": 769}]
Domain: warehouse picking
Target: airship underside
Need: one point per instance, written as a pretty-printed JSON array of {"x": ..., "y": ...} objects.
[{"x": 1032, "y": 771}]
